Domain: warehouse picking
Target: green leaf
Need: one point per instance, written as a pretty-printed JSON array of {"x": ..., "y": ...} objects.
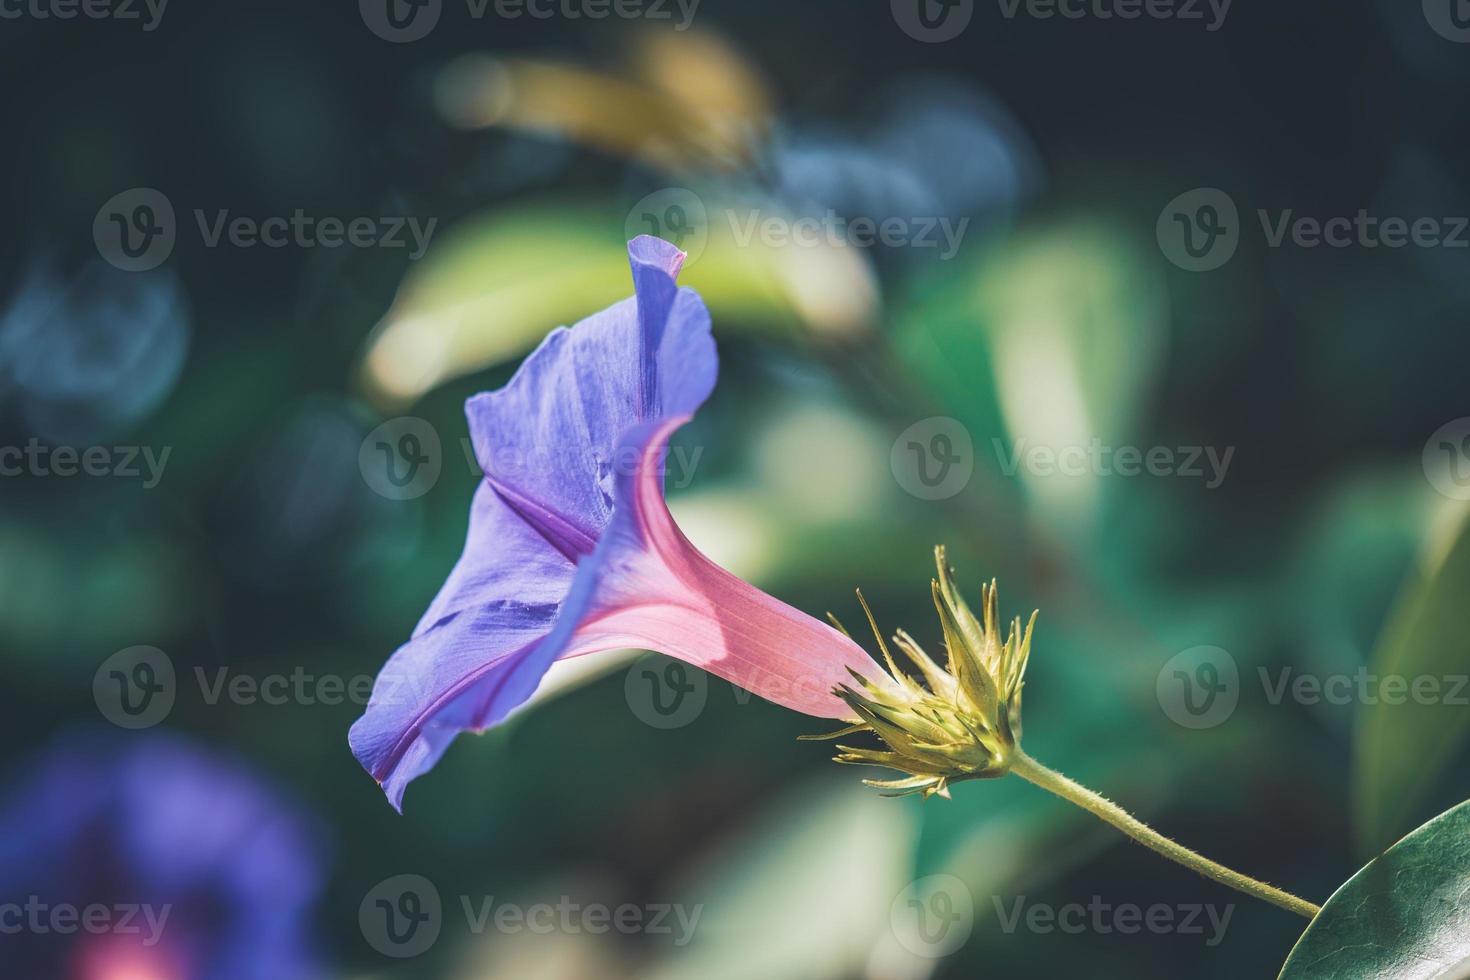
[
  {"x": 1404, "y": 916},
  {"x": 1405, "y": 746}
]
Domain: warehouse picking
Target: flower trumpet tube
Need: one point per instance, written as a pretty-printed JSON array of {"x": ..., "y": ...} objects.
[{"x": 571, "y": 548}]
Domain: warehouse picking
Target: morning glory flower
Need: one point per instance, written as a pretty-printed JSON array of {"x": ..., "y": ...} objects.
[
  {"x": 152, "y": 859},
  {"x": 571, "y": 548}
]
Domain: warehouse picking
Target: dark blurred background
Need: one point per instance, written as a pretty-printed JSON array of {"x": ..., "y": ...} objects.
[{"x": 1113, "y": 286}]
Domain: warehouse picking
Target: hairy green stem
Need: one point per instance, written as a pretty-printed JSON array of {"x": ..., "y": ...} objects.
[{"x": 1052, "y": 781}]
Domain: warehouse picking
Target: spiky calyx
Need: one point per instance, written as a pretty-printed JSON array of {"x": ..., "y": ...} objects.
[{"x": 959, "y": 722}]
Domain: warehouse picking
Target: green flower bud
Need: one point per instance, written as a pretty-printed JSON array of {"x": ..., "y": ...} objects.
[{"x": 947, "y": 724}]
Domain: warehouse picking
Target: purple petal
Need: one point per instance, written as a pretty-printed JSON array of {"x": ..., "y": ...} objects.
[{"x": 550, "y": 443}]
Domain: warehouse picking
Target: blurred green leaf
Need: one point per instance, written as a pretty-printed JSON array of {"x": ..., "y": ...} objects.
[
  {"x": 1402, "y": 916},
  {"x": 934, "y": 335},
  {"x": 1403, "y": 747},
  {"x": 1049, "y": 340},
  {"x": 803, "y": 892},
  {"x": 1352, "y": 553},
  {"x": 1073, "y": 312}
]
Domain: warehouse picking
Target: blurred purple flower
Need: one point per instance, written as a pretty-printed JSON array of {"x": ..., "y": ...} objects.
[
  {"x": 189, "y": 868},
  {"x": 571, "y": 549}
]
